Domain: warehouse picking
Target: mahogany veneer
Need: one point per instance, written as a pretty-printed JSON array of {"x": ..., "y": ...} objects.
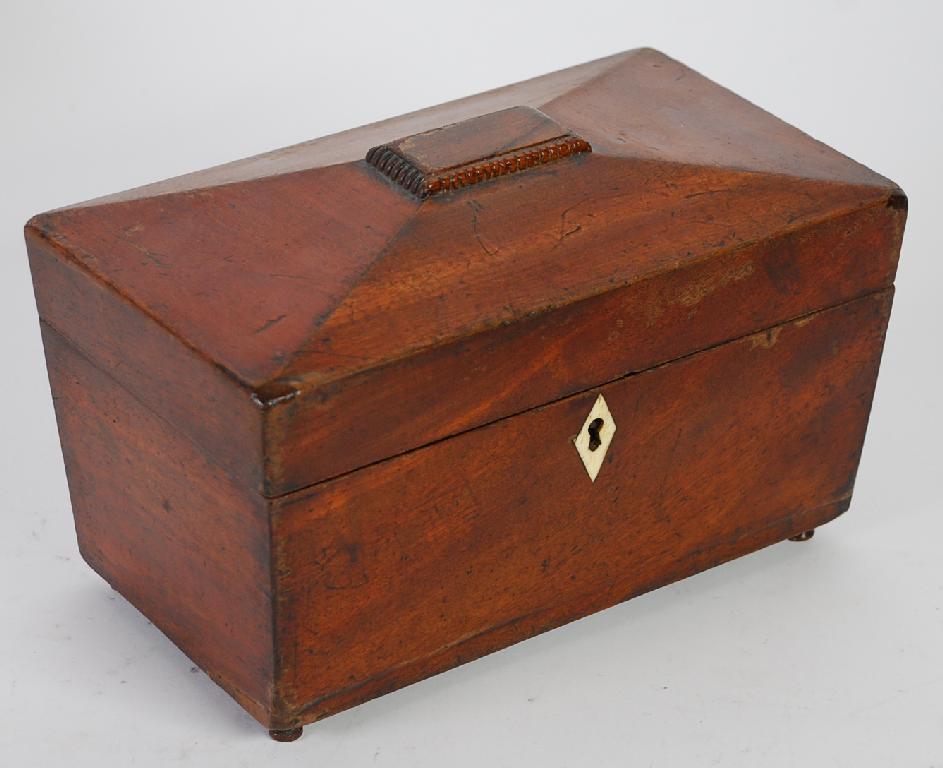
[{"x": 328, "y": 414}]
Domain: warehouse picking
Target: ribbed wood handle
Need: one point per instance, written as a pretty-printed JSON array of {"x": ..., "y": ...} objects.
[{"x": 474, "y": 150}]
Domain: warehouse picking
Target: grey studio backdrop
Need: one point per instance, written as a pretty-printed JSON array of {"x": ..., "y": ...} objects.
[{"x": 824, "y": 654}]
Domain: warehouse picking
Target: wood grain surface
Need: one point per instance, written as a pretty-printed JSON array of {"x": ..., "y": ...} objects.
[
  {"x": 419, "y": 563},
  {"x": 512, "y": 367},
  {"x": 166, "y": 527},
  {"x": 320, "y": 429},
  {"x": 299, "y": 285}
]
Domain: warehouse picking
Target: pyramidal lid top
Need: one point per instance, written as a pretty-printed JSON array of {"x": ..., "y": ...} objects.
[
  {"x": 301, "y": 267},
  {"x": 303, "y": 262}
]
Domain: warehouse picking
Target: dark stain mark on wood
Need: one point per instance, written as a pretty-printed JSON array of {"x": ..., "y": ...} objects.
[{"x": 268, "y": 324}]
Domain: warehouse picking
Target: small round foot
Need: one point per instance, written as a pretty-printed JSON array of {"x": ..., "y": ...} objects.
[
  {"x": 288, "y": 734},
  {"x": 804, "y": 536}
]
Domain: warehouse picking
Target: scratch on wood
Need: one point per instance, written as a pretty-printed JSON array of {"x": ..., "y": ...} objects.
[
  {"x": 766, "y": 339},
  {"x": 696, "y": 291},
  {"x": 268, "y": 324},
  {"x": 476, "y": 207}
]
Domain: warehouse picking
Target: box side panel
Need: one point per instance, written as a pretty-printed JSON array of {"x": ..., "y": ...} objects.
[
  {"x": 425, "y": 561},
  {"x": 166, "y": 376},
  {"x": 507, "y": 370},
  {"x": 166, "y": 527}
]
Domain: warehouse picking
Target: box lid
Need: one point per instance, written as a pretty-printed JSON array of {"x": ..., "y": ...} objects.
[{"x": 388, "y": 286}]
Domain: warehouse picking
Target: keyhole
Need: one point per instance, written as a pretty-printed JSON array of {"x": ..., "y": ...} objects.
[{"x": 594, "y": 428}]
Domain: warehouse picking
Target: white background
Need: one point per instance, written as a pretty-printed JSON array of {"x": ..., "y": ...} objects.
[{"x": 820, "y": 654}]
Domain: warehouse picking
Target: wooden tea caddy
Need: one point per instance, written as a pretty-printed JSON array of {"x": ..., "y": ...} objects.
[{"x": 348, "y": 414}]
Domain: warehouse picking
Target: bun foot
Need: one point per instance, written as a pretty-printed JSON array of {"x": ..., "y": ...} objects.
[
  {"x": 288, "y": 734},
  {"x": 804, "y": 536}
]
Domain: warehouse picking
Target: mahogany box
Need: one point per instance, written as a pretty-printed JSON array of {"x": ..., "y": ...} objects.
[{"x": 342, "y": 416}]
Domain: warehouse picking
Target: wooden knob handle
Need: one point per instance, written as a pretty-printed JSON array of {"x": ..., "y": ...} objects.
[{"x": 474, "y": 150}]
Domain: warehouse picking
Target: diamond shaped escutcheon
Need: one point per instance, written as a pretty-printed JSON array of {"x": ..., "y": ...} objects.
[{"x": 595, "y": 437}]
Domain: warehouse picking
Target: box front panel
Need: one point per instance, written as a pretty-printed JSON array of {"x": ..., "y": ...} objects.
[{"x": 424, "y": 561}]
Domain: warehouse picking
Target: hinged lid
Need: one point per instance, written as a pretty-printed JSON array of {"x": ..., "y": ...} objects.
[{"x": 392, "y": 285}]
